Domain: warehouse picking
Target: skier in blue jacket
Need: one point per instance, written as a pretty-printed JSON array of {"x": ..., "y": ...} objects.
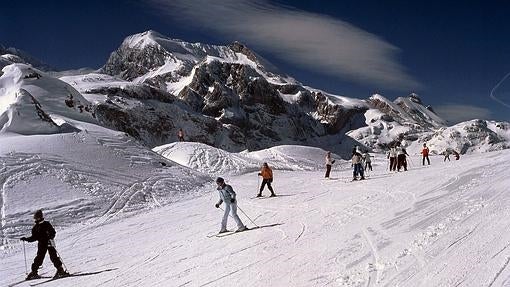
[{"x": 228, "y": 196}]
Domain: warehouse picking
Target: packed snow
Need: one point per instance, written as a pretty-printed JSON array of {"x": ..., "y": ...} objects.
[{"x": 438, "y": 225}]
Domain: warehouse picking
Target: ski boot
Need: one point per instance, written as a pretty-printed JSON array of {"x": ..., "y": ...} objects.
[
  {"x": 241, "y": 229},
  {"x": 61, "y": 273},
  {"x": 32, "y": 275}
]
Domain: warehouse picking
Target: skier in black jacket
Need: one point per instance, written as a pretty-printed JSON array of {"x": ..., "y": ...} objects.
[{"x": 44, "y": 233}]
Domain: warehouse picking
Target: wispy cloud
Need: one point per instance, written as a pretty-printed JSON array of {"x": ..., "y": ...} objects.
[
  {"x": 456, "y": 113},
  {"x": 314, "y": 41}
]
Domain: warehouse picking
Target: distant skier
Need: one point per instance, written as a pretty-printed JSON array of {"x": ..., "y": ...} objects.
[
  {"x": 44, "y": 234},
  {"x": 425, "y": 154},
  {"x": 456, "y": 154},
  {"x": 267, "y": 178},
  {"x": 401, "y": 158},
  {"x": 392, "y": 156},
  {"x": 368, "y": 162},
  {"x": 228, "y": 196},
  {"x": 180, "y": 135},
  {"x": 446, "y": 154},
  {"x": 329, "y": 163},
  {"x": 356, "y": 164}
]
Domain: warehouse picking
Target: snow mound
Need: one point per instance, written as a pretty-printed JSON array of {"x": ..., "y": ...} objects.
[
  {"x": 214, "y": 161},
  {"x": 207, "y": 159}
]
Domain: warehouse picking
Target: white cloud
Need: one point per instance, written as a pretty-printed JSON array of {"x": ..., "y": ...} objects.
[
  {"x": 313, "y": 41},
  {"x": 456, "y": 113}
]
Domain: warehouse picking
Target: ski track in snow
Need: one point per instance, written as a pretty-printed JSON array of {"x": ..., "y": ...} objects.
[{"x": 430, "y": 226}]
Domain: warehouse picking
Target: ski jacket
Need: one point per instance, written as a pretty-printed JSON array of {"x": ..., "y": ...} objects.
[
  {"x": 366, "y": 157},
  {"x": 329, "y": 161},
  {"x": 226, "y": 194},
  {"x": 42, "y": 232},
  {"x": 392, "y": 152},
  {"x": 180, "y": 134},
  {"x": 356, "y": 158},
  {"x": 266, "y": 173},
  {"x": 401, "y": 151},
  {"x": 425, "y": 151}
]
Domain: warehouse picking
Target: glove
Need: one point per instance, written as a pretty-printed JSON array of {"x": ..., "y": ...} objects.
[
  {"x": 260, "y": 174},
  {"x": 23, "y": 239},
  {"x": 217, "y": 205},
  {"x": 233, "y": 200},
  {"x": 333, "y": 161}
]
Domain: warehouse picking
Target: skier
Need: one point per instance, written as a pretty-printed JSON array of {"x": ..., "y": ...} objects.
[
  {"x": 392, "y": 155},
  {"x": 425, "y": 154},
  {"x": 267, "y": 178},
  {"x": 44, "y": 234},
  {"x": 180, "y": 135},
  {"x": 329, "y": 163},
  {"x": 356, "y": 164},
  {"x": 401, "y": 158},
  {"x": 228, "y": 196},
  {"x": 446, "y": 154},
  {"x": 367, "y": 160}
]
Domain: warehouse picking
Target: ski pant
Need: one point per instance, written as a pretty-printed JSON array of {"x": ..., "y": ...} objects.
[
  {"x": 426, "y": 157},
  {"x": 328, "y": 170},
  {"x": 42, "y": 247},
  {"x": 393, "y": 163},
  {"x": 358, "y": 169},
  {"x": 268, "y": 182},
  {"x": 368, "y": 165},
  {"x": 228, "y": 207},
  {"x": 401, "y": 162}
]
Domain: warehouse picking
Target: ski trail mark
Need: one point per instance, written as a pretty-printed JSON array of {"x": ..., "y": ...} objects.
[
  {"x": 303, "y": 228},
  {"x": 373, "y": 276},
  {"x": 500, "y": 271}
]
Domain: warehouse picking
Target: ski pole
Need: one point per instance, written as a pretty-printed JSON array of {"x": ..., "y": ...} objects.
[
  {"x": 258, "y": 183},
  {"x": 58, "y": 254},
  {"x": 25, "y": 256},
  {"x": 248, "y": 217}
]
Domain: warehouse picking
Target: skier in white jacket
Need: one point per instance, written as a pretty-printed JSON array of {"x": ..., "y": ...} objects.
[{"x": 228, "y": 196}]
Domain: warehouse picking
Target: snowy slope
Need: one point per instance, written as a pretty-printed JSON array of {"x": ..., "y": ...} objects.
[{"x": 440, "y": 225}]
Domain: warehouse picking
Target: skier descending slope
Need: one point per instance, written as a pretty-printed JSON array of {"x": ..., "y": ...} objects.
[
  {"x": 267, "y": 178},
  {"x": 228, "y": 196},
  {"x": 44, "y": 234},
  {"x": 368, "y": 161},
  {"x": 356, "y": 164}
]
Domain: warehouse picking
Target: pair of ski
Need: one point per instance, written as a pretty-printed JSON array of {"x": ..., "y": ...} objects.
[
  {"x": 49, "y": 279},
  {"x": 263, "y": 197},
  {"x": 223, "y": 234}
]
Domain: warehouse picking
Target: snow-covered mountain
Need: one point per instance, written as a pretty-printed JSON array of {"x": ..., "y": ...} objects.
[{"x": 231, "y": 98}]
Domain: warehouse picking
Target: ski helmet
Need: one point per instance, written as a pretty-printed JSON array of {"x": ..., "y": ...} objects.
[
  {"x": 38, "y": 214},
  {"x": 220, "y": 180}
]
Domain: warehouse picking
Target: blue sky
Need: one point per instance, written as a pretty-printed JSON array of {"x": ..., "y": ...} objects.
[{"x": 451, "y": 53}]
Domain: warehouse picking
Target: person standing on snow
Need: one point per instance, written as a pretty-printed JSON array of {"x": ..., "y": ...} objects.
[
  {"x": 392, "y": 156},
  {"x": 180, "y": 135},
  {"x": 401, "y": 158},
  {"x": 44, "y": 233},
  {"x": 228, "y": 196},
  {"x": 329, "y": 163},
  {"x": 446, "y": 155},
  {"x": 368, "y": 161},
  {"x": 425, "y": 154},
  {"x": 267, "y": 178},
  {"x": 356, "y": 164}
]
